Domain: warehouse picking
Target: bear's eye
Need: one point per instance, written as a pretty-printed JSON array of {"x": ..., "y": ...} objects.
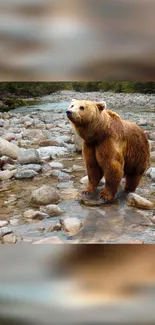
[
  {"x": 72, "y": 106},
  {"x": 81, "y": 108}
]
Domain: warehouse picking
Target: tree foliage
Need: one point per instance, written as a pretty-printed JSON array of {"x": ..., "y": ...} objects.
[{"x": 37, "y": 89}]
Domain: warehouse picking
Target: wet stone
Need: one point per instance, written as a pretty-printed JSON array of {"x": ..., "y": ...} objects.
[
  {"x": 25, "y": 174},
  {"x": 56, "y": 165},
  {"x": 14, "y": 222},
  {"x": 65, "y": 185},
  {"x": 31, "y": 214},
  {"x": 3, "y": 223},
  {"x": 52, "y": 210},
  {"x": 27, "y": 156},
  {"x": 6, "y": 174},
  {"x": 69, "y": 193},
  {"x": 91, "y": 199},
  {"x": 77, "y": 168},
  {"x": 56, "y": 227},
  {"x": 9, "y": 239},
  {"x": 5, "y": 230},
  {"x": 151, "y": 172},
  {"x": 45, "y": 195},
  {"x": 71, "y": 226},
  {"x": 9, "y": 167},
  {"x": 138, "y": 201}
]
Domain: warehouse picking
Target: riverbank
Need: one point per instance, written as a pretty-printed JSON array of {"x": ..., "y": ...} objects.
[{"x": 114, "y": 100}]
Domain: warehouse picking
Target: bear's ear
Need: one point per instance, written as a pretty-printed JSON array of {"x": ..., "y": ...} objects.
[
  {"x": 101, "y": 105},
  {"x": 73, "y": 100}
]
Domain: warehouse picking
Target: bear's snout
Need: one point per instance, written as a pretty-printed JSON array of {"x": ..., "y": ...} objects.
[{"x": 69, "y": 113}]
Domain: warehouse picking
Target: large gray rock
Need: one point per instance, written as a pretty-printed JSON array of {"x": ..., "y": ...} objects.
[
  {"x": 45, "y": 195},
  {"x": 28, "y": 156},
  {"x": 25, "y": 173},
  {"x": 8, "y": 149},
  {"x": 36, "y": 167}
]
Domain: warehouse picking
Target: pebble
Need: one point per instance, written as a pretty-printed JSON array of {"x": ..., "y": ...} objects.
[
  {"x": 52, "y": 210},
  {"x": 151, "y": 172},
  {"x": 66, "y": 185},
  {"x": 84, "y": 180},
  {"x": 31, "y": 214},
  {"x": 56, "y": 165},
  {"x": 77, "y": 168},
  {"x": 64, "y": 177}
]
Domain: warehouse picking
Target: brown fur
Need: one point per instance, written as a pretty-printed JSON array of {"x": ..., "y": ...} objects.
[{"x": 112, "y": 147}]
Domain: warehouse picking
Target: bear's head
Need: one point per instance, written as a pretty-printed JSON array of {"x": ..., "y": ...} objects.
[{"x": 83, "y": 112}]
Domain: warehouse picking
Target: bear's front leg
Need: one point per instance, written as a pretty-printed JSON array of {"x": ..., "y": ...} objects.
[
  {"x": 113, "y": 173},
  {"x": 94, "y": 171}
]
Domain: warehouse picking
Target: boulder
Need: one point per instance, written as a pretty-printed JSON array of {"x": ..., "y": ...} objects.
[{"x": 45, "y": 195}]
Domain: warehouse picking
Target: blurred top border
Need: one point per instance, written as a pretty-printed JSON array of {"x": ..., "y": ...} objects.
[{"x": 77, "y": 40}]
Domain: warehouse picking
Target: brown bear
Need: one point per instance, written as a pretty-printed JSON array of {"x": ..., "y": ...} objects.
[{"x": 112, "y": 147}]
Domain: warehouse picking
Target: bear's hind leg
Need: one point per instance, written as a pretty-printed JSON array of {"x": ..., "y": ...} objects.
[
  {"x": 113, "y": 176},
  {"x": 132, "y": 182}
]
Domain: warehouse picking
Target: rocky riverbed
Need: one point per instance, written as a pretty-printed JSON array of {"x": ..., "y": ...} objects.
[{"x": 42, "y": 173}]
